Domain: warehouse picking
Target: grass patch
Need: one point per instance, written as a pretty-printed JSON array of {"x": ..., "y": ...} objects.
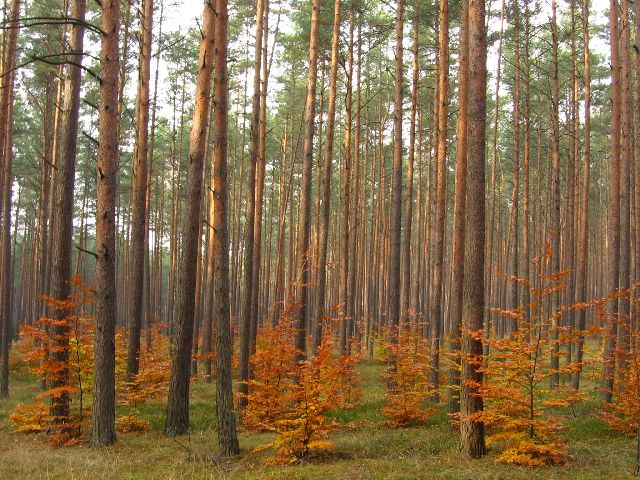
[{"x": 369, "y": 450}]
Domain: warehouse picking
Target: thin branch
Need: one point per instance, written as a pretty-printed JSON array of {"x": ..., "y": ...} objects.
[
  {"x": 27, "y": 22},
  {"x": 46, "y": 59},
  {"x": 84, "y": 250}
]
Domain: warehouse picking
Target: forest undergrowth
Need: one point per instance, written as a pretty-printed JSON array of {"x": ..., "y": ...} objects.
[{"x": 367, "y": 450}]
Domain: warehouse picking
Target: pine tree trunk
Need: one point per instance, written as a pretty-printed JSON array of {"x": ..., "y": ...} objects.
[
  {"x": 326, "y": 181},
  {"x": 582, "y": 272},
  {"x": 138, "y": 246},
  {"x": 104, "y": 402},
  {"x": 436, "y": 314},
  {"x": 613, "y": 210},
  {"x": 227, "y": 437},
  {"x": 555, "y": 197},
  {"x": 63, "y": 208},
  {"x": 471, "y": 431},
  {"x": 459, "y": 211},
  {"x": 304, "y": 220},
  {"x": 6, "y": 128},
  {"x": 246, "y": 318},
  {"x": 177, "y": 422}
]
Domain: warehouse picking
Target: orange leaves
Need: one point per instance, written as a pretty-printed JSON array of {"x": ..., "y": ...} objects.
[
  {"x": 534, "y": 454},
  {"x": 132, "y": 424},
  {"x": 518, "y": 373},
  {"x": 407, "y": 375},
  {"x": 623, "y": 413},
  {"x": 292, "y": 398},
  {"x": 60, "y": 354},
  {"x": 154, "y": 371},
  {"x": 30, "y": 418}
]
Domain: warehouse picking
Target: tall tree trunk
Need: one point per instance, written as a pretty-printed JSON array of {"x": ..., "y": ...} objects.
[
  {"x": 138, "y": 246},
  {"x": 625, "y": 176},
  {"x": 177, "y": 422},
  {"x": 459, "y": 211},
  {"x": 6, "y": 128},
  {"x": 395, "y": 211},
  {"x": 582, "y": 272},
  {"x": 227, "y": 437},
  {"x": 406, "y": 247},
  {"x": 515, "y": 202},
  {"x": 246, "y": 318},
  {"x": 613, "y": 209},
  {"x": 304, "y": 221},
  {"x": 326, "y": 181},
  {"x": 347, "y": 263},
  {"x": 104, "y": 401},
  {"x": 555, "y": 196},
  {"x": 260, "y": 173},
  {"x": 63, "y": 209},
  {"x": 472, "y": 431},
  {"x": 436, "y": 317}
]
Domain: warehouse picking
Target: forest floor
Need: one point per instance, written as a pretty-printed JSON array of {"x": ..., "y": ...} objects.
[{"x": 370, "y": 450}]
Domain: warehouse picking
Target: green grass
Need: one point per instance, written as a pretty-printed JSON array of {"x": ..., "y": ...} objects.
[{"x": 370, "y": 450}]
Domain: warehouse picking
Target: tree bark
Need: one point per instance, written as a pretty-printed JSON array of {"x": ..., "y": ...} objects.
[
  {"x": 471, "y": 430},
  {"x": 582, "y": 265},
  {"x": 104, "y": 401},
  {"x": 227, "y": 437},
  {"x": 304, "y": 221},
  {"x": 613, "y": 210},
  {"x": 326, "y": 181},
  {"x": 138, "y": 246},
  {"x": 177, "y": 422},
  {"x": 254, "y": 151},
  {"x": 459, "y": 212},
  {"x": 62, "y": 234},
  {"x": 436, "y": 316}
]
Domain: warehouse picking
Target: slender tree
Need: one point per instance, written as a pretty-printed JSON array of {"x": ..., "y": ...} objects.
[
  {"x": 583, "y": 246},
  {"x": 227, "y": 437},
  {"x": 555, "y": 191},
  {"x": 471, "y": 430},
  {"x": 62, "y": 234},
  {"x": 137, "y": 244},
  {"x": 104, "y": 402},
  {"x": 613, "y": 208},
  {"x": 395, "y": 214},
  {"x": 6, "y": 129},
  {"x": 459, "y": 210},
  {"x": 436, "y": 314},
  {"x": 304, "y": 220},
  {"x": 177, "y": 422},
  {"x": 254, "y": 149},
  {"x": 326, "y": 180}
]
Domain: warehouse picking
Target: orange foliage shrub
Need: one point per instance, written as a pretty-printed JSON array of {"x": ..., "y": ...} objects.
[
  {"x": 152, "y": 379},
  {"x": 407, "y": 375},
  {"x": 517, "y": 389},
  {"x": 37, "y": 347},
  {"x": 292, "y": 398},
  {"x": 623, "y": 413}
]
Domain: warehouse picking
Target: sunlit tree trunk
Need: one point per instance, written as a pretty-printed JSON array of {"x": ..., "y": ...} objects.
[
  {"x": 227, "y": 437},
  {"x": 436, "y": 317},
  {"x": 177, "y": 422}
]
